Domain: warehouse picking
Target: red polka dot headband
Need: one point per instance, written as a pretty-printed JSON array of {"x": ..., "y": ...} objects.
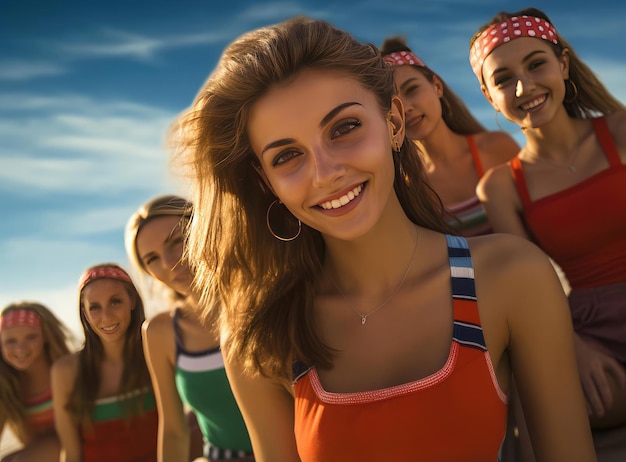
[
  {"x": 503, "y": 32},
  {"x": 400, "y": 58},
  {"x": 20, "y": 317},
  {"x": 103, "y": 272}
]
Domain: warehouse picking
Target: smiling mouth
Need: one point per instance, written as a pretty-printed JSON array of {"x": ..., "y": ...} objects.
[
  {"x": 343, "y": 200},
  {"x": 109, "y": 329},
  {"x": 534, "y": 103},
  {"x": 414, "y": 121}
]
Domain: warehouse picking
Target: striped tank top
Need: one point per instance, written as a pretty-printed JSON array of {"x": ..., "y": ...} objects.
[
  {"x": 456, "y": 414},
  {"x": 114, "y": 437},
  {"x": 39, "y": 413}
]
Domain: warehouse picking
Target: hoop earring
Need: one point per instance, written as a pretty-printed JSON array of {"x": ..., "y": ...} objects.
[
  {"x": 269, "y": 226},
  {"x": 574, "y": 92}
]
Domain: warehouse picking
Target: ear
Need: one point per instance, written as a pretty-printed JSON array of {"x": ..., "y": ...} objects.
[
  {"x": 395, "y": 122},
  {"x": 483, "y": 88},
  {"x": 564, "y": 64},
  {"x": 438, "y": 84}
]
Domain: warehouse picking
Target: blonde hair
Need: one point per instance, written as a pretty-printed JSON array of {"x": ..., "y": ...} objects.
[
  {"x": 57, "y": 341},
  {"x": 267, "y": 287},
  {"x": 591, "y": 98},
  {"x": 454, "y": 112}
]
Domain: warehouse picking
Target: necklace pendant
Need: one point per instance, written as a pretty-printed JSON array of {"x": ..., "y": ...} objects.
[{"x": 363, "y": 319}]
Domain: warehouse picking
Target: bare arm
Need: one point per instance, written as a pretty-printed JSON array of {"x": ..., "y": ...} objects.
[
  {"x": 159, "y": 349},
  {"x": 496, "y": 191},
  {"x": 520, "y": 283},
  {"x": 63, "y": 374},
  {"x": 268, "y": 411}
]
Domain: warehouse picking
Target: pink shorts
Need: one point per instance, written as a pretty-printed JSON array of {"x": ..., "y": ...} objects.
[{"x": 599, "y": 315}]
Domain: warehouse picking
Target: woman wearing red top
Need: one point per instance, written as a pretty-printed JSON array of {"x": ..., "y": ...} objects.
[
  {"x": 31, "y": 339},
  {"x": 315, "y": 230},
  {"x": 566, "y": 190},
  {"x": 454, "y": 147},
  {"x": 103, "y": 401}
]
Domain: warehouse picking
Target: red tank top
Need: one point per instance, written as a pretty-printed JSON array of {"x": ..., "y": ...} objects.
[
  {"x": 583, "y": 228},
  {"x": 456, "y": 414},
  {"x": 112, "y": 437}
]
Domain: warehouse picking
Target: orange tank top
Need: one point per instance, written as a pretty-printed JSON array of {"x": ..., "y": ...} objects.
[{"x": 456, "y": 414}]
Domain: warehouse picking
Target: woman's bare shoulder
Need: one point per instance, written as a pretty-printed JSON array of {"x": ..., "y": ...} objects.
[
  {"x": 509, "y": 260},
  {"x": 66, "y": 365},
  {"x": 496, "y": 147}
]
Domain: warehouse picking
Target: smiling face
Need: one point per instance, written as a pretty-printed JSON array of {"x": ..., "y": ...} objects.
[
  {"x": 107, "y": 306},
  {"x": 525, "y": 80},
  {"x": 325, "y": 149},
  {"x": 420, "y": 98},
  {"x": 160, "y": 249},
  {"x": 22, "y": 346}
]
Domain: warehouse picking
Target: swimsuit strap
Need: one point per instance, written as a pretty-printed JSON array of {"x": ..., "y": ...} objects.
[
  {"x": 467, "y": 329},
  {"x": 606, "y": 141},
  {"x": 474, "y": 150}
]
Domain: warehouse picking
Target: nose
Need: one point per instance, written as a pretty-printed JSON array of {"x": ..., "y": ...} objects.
[
  {"x": 171, "y": 259},
  {"x": 328, "y": 167},
  {"x": 107, "y": 312},
  {"x": 523, "y": 86}
]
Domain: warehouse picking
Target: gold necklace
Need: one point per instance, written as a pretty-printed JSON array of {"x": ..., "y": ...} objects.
[{"x": 396, "y": 290}]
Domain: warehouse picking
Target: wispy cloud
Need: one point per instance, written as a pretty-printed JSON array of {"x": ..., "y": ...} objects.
[
  {"x": 25, "y": 70},
  {"x": 114, "y": 43},
  {"x": 82, "y": 145}
]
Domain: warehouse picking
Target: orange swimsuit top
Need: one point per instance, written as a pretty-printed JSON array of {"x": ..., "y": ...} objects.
[{"x": 456, "y": 414}]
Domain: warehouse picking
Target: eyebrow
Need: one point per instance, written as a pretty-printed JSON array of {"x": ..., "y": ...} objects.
[
  {"x": 407, "y": 82},
  {"x": 526, "y": 58},
  {"x": 325, "y": 120}
]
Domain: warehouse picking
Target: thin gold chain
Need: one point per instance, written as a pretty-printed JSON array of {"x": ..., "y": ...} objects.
[
  {"x": 571, "y": 165},
  {"x": 396, "y": 290}
]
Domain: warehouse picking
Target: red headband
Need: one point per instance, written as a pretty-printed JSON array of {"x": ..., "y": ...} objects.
[
  {"x": 400, "y": 58},
  {"x": 20, "y": 318},
  {"x": 103, "y": 272},
  {"x": 501, "y": 33}
]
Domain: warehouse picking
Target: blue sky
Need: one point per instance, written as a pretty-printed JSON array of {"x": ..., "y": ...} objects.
[{"x": 88, "y": 89}]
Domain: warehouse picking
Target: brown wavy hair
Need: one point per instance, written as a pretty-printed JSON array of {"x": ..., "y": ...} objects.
[
  {"x": 57, "y": 342},
  {"x": 591, "y": 98},
  {"x": 454, "y": 112},
  {"x": 135, "y": 374},
  {"x": 267, "y": 287}
]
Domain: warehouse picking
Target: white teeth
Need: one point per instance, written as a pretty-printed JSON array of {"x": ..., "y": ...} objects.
[
  {"x": 108, "y": 329},
  {"x": 533, "y": 103},
  {"x": 343, "y": 200}
]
